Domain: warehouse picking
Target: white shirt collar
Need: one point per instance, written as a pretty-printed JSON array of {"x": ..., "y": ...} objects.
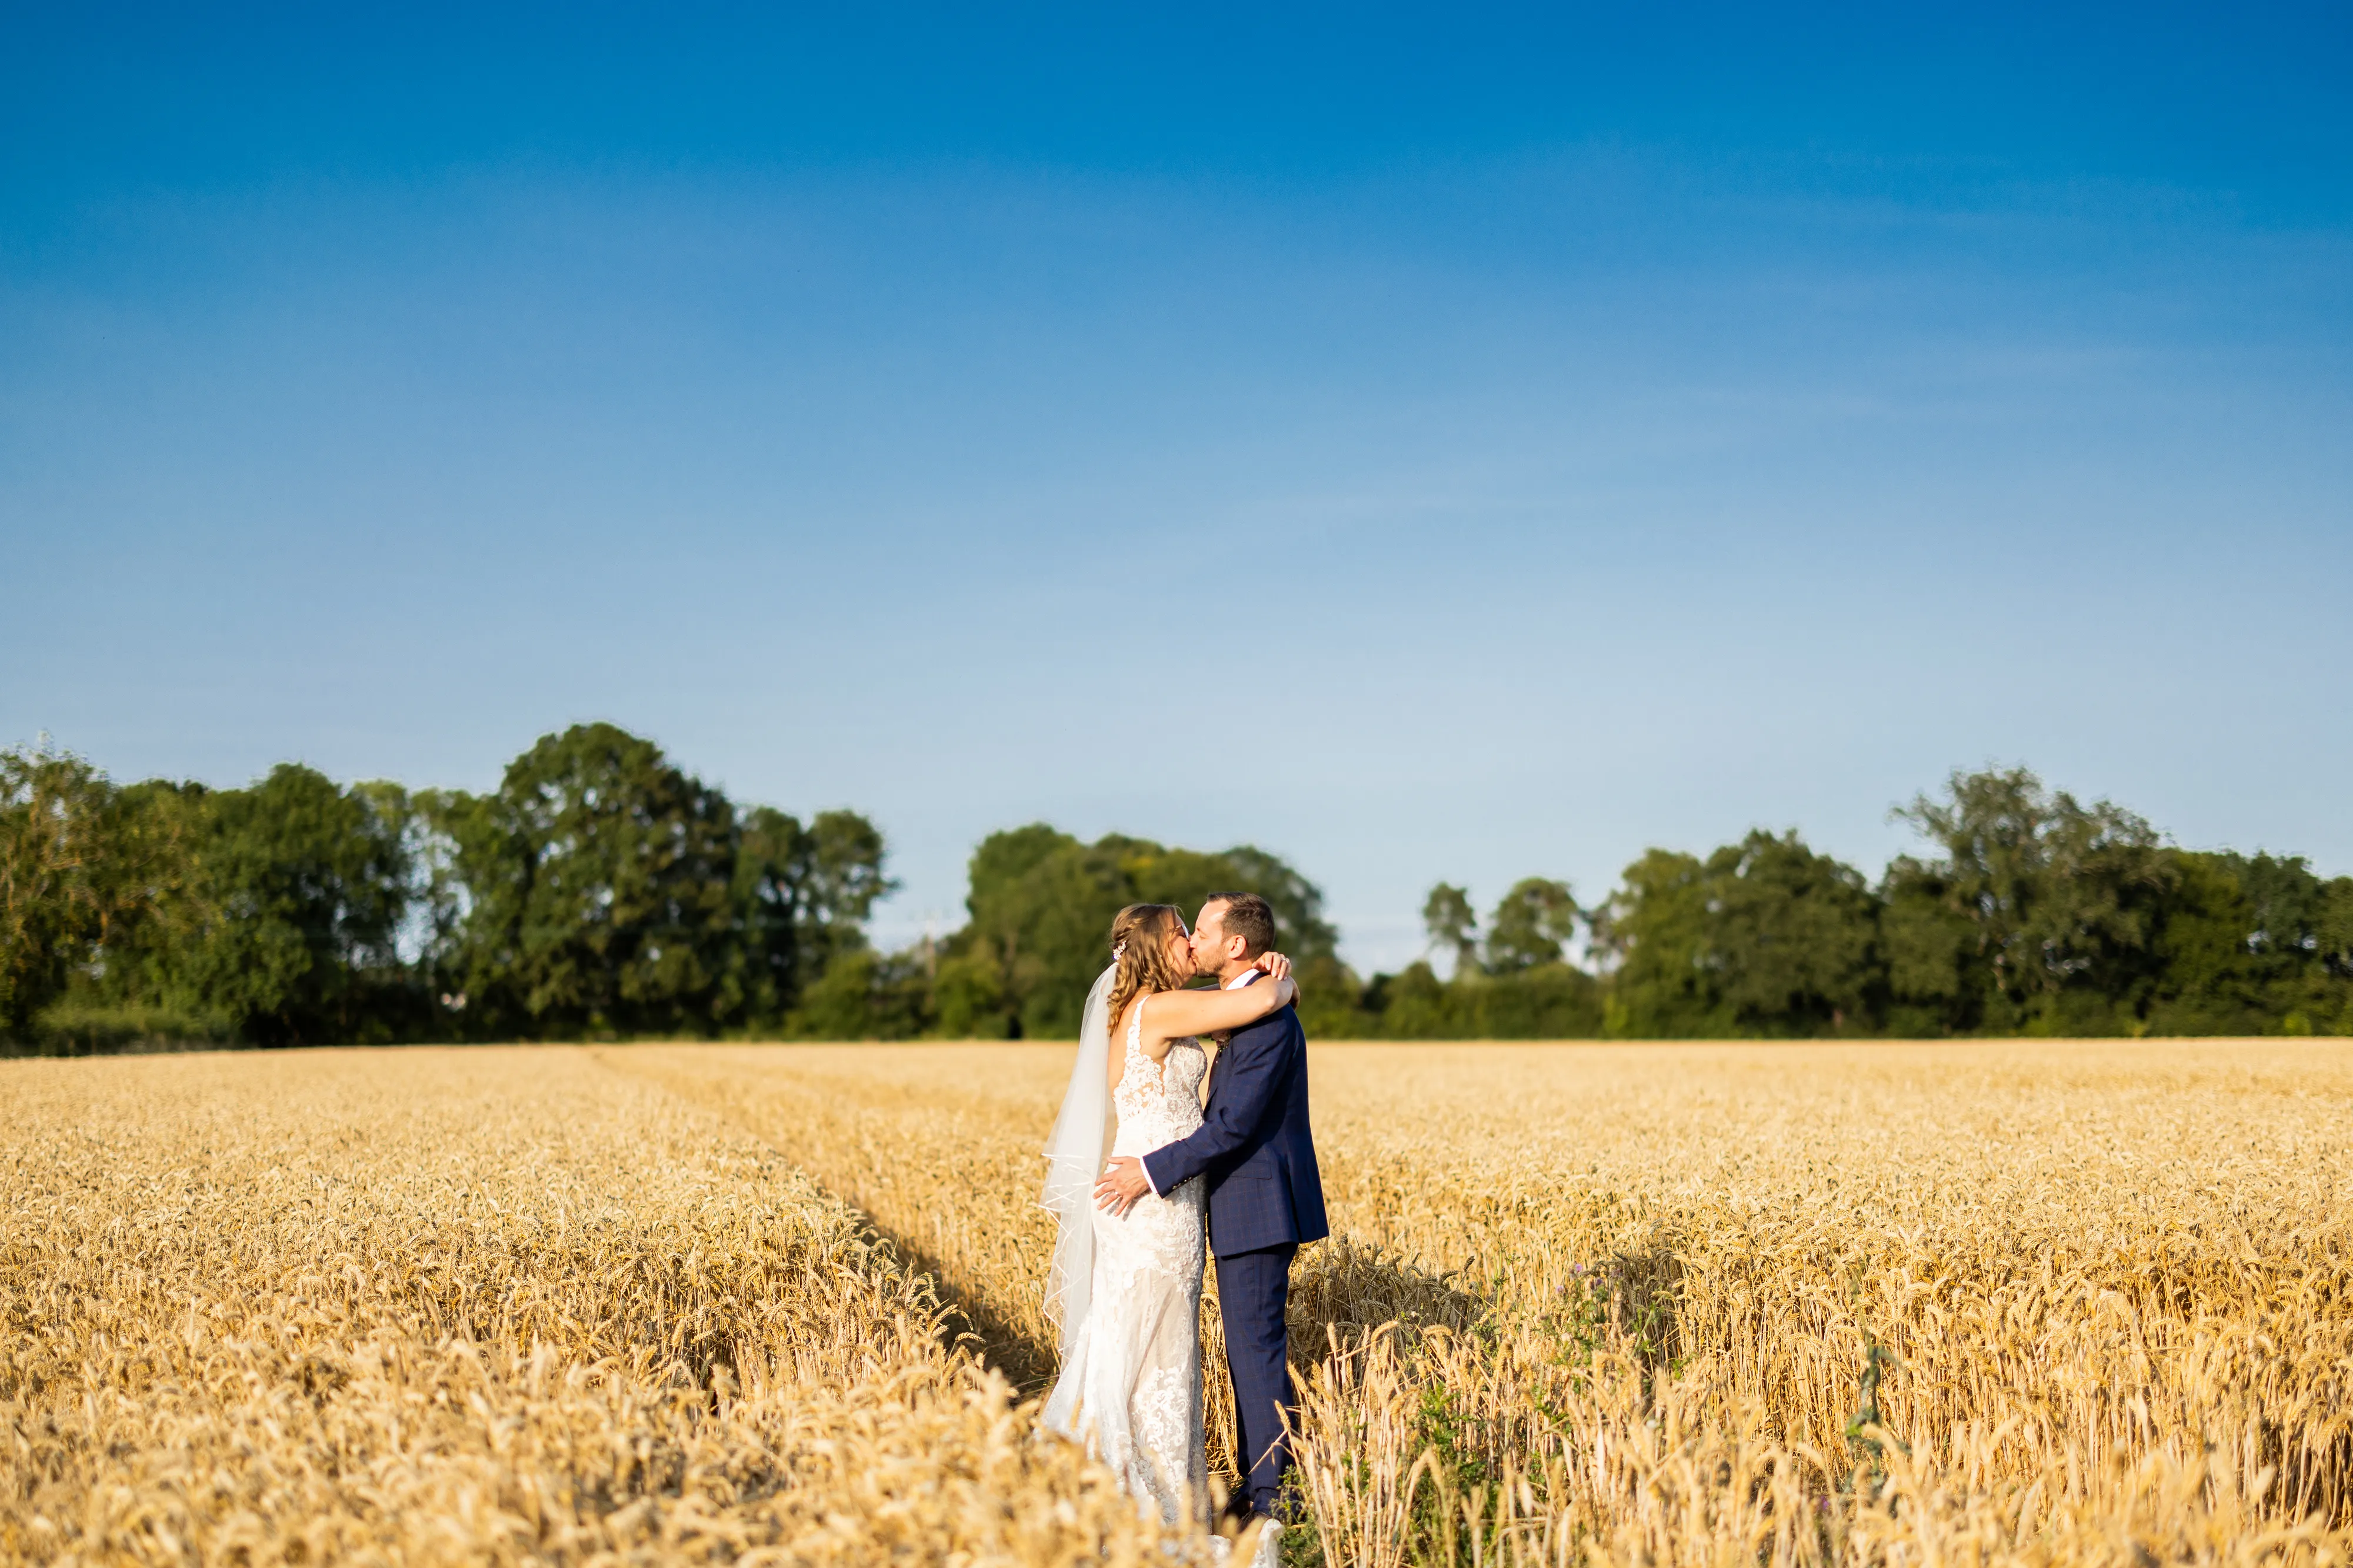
[{"x": 1244, "y": 978}]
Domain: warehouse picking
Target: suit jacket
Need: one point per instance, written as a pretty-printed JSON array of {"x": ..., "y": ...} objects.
[{"x": 1253, "y": 1146}]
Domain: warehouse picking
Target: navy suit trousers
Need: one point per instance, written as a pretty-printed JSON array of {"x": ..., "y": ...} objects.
[{"x": 1253, "y": 1289}]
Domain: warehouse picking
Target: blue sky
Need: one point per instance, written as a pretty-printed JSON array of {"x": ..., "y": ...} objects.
[{"x": 1427, "y": 444}]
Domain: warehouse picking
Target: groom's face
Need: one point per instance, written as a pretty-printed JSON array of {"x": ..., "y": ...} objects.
[{"x": 1209, "y": 940}]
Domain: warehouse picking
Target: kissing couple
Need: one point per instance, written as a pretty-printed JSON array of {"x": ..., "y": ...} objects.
[{"x": 1236, "y": 1169}]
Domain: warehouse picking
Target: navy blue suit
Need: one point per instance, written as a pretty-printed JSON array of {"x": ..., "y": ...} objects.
[{"x": 1254, "y": 1151}]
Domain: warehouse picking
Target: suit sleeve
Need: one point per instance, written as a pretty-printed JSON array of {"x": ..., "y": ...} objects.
[{"x": 1255, "y": 1077}]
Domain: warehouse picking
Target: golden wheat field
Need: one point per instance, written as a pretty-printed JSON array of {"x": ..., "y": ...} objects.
[{"x": 1728, "y": 1305}]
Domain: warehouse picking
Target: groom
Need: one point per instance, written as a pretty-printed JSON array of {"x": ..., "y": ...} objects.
[{"x": 1265, "y": 1198}]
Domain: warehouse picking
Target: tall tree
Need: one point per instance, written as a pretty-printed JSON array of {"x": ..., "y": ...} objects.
[
  {"x": 1040, "y": 902},
  {"x": 1453, "y": 929},
  {"x": 841, "y": 879},
  {"x": 2059, "y": 901},
  {"x": 140, "y": 980},
  {"x": 768, "y": 963},
  {"x": 1934, "y": 974},
  {"x": 1794, "y": 938},
  {"x": 600, "y": 885},
  {"x": 1652, "y": 935},
  {"x": 1763, "y": 937},
  {"x": 803, "y": 898},
  {"x": 599, "y": 888},
  {"x": 268, "y": 914},
  {"x": 53, "y": 849},
  {"x": 1531, "y": 925},
  {"x": 2244, "y": 948},
  {"x": 305, "y": 887}
]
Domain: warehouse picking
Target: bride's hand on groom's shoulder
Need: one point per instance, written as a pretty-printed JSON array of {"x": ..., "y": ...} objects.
[{"x": 1278, "y": 969}]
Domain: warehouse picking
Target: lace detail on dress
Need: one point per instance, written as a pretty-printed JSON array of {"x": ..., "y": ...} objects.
[
  {"x": 1132, "y": 1387},
  {"x": 1157, "y": 1102}
]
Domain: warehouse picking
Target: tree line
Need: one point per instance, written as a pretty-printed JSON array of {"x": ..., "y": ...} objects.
[
  {"x": 601, "y": 891},
  {"x": 2028, "y": 913}
]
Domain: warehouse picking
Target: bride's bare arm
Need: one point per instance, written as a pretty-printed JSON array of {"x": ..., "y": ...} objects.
[{"x": 1177, "y": 1014}]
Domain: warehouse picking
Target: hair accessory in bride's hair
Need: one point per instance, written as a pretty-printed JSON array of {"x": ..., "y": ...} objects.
[{"x": 1118, "y": 951}]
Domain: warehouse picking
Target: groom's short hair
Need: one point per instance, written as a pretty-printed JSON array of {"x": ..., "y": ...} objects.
[{"x": 1249, "y": 917}]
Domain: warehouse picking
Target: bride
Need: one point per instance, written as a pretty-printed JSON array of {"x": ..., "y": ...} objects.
[{"x": 1127, "y": 1288}]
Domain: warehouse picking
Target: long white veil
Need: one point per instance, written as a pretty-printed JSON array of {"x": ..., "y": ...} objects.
[{"x": 1075, "y": 1150}]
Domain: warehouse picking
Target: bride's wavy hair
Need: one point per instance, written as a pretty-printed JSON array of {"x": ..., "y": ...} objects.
[{"x": 1139, "y": 935}]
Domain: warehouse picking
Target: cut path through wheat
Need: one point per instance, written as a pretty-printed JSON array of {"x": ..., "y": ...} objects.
[{"x": 2041, "y": 1302}]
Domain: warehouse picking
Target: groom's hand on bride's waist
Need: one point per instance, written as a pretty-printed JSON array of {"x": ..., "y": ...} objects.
[{"x": 1121, "y": 1183}]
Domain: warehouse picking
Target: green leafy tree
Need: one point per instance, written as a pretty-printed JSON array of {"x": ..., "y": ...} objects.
[
  {"x": 2242, "y": 948},
  {"x": 54, "y": 850},
  {"x": 968, "y": 1000},
  {"x": 266, "y": 914},
  {"x": 1530, "y": 926},
  {"x": 2332, "y": 930},
  {"x": 1764, "y": 937},
  {"x": 1653, "y": 936},
  {"x": 1544, "y": 1002},
  {"x": 802, "y": 897},
  {"x": 601, "y": 889},
  {"x": 1555, "y": 1000},
  {"x": 1415, "y": 1004},
  {"x": 600, "y": 892},
  {"x": 1453, "y": 929},
  {"x": 1929, "y": 941},
  {"x": 1793, "y": 938},
  {"x": 2061, "y": 900},
  {"x": 768, "y": 963},
  {"x": 867, "y": 995},
  {"x": 137, "y": 981},
  {"x": 305, "y": 887},
  {"x": 1040, "y": 903},
  {"x": 841, "y": 879}
]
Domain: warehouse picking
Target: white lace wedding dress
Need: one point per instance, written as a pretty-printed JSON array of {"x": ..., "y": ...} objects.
[{"x": 1131, "y": 1381}]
